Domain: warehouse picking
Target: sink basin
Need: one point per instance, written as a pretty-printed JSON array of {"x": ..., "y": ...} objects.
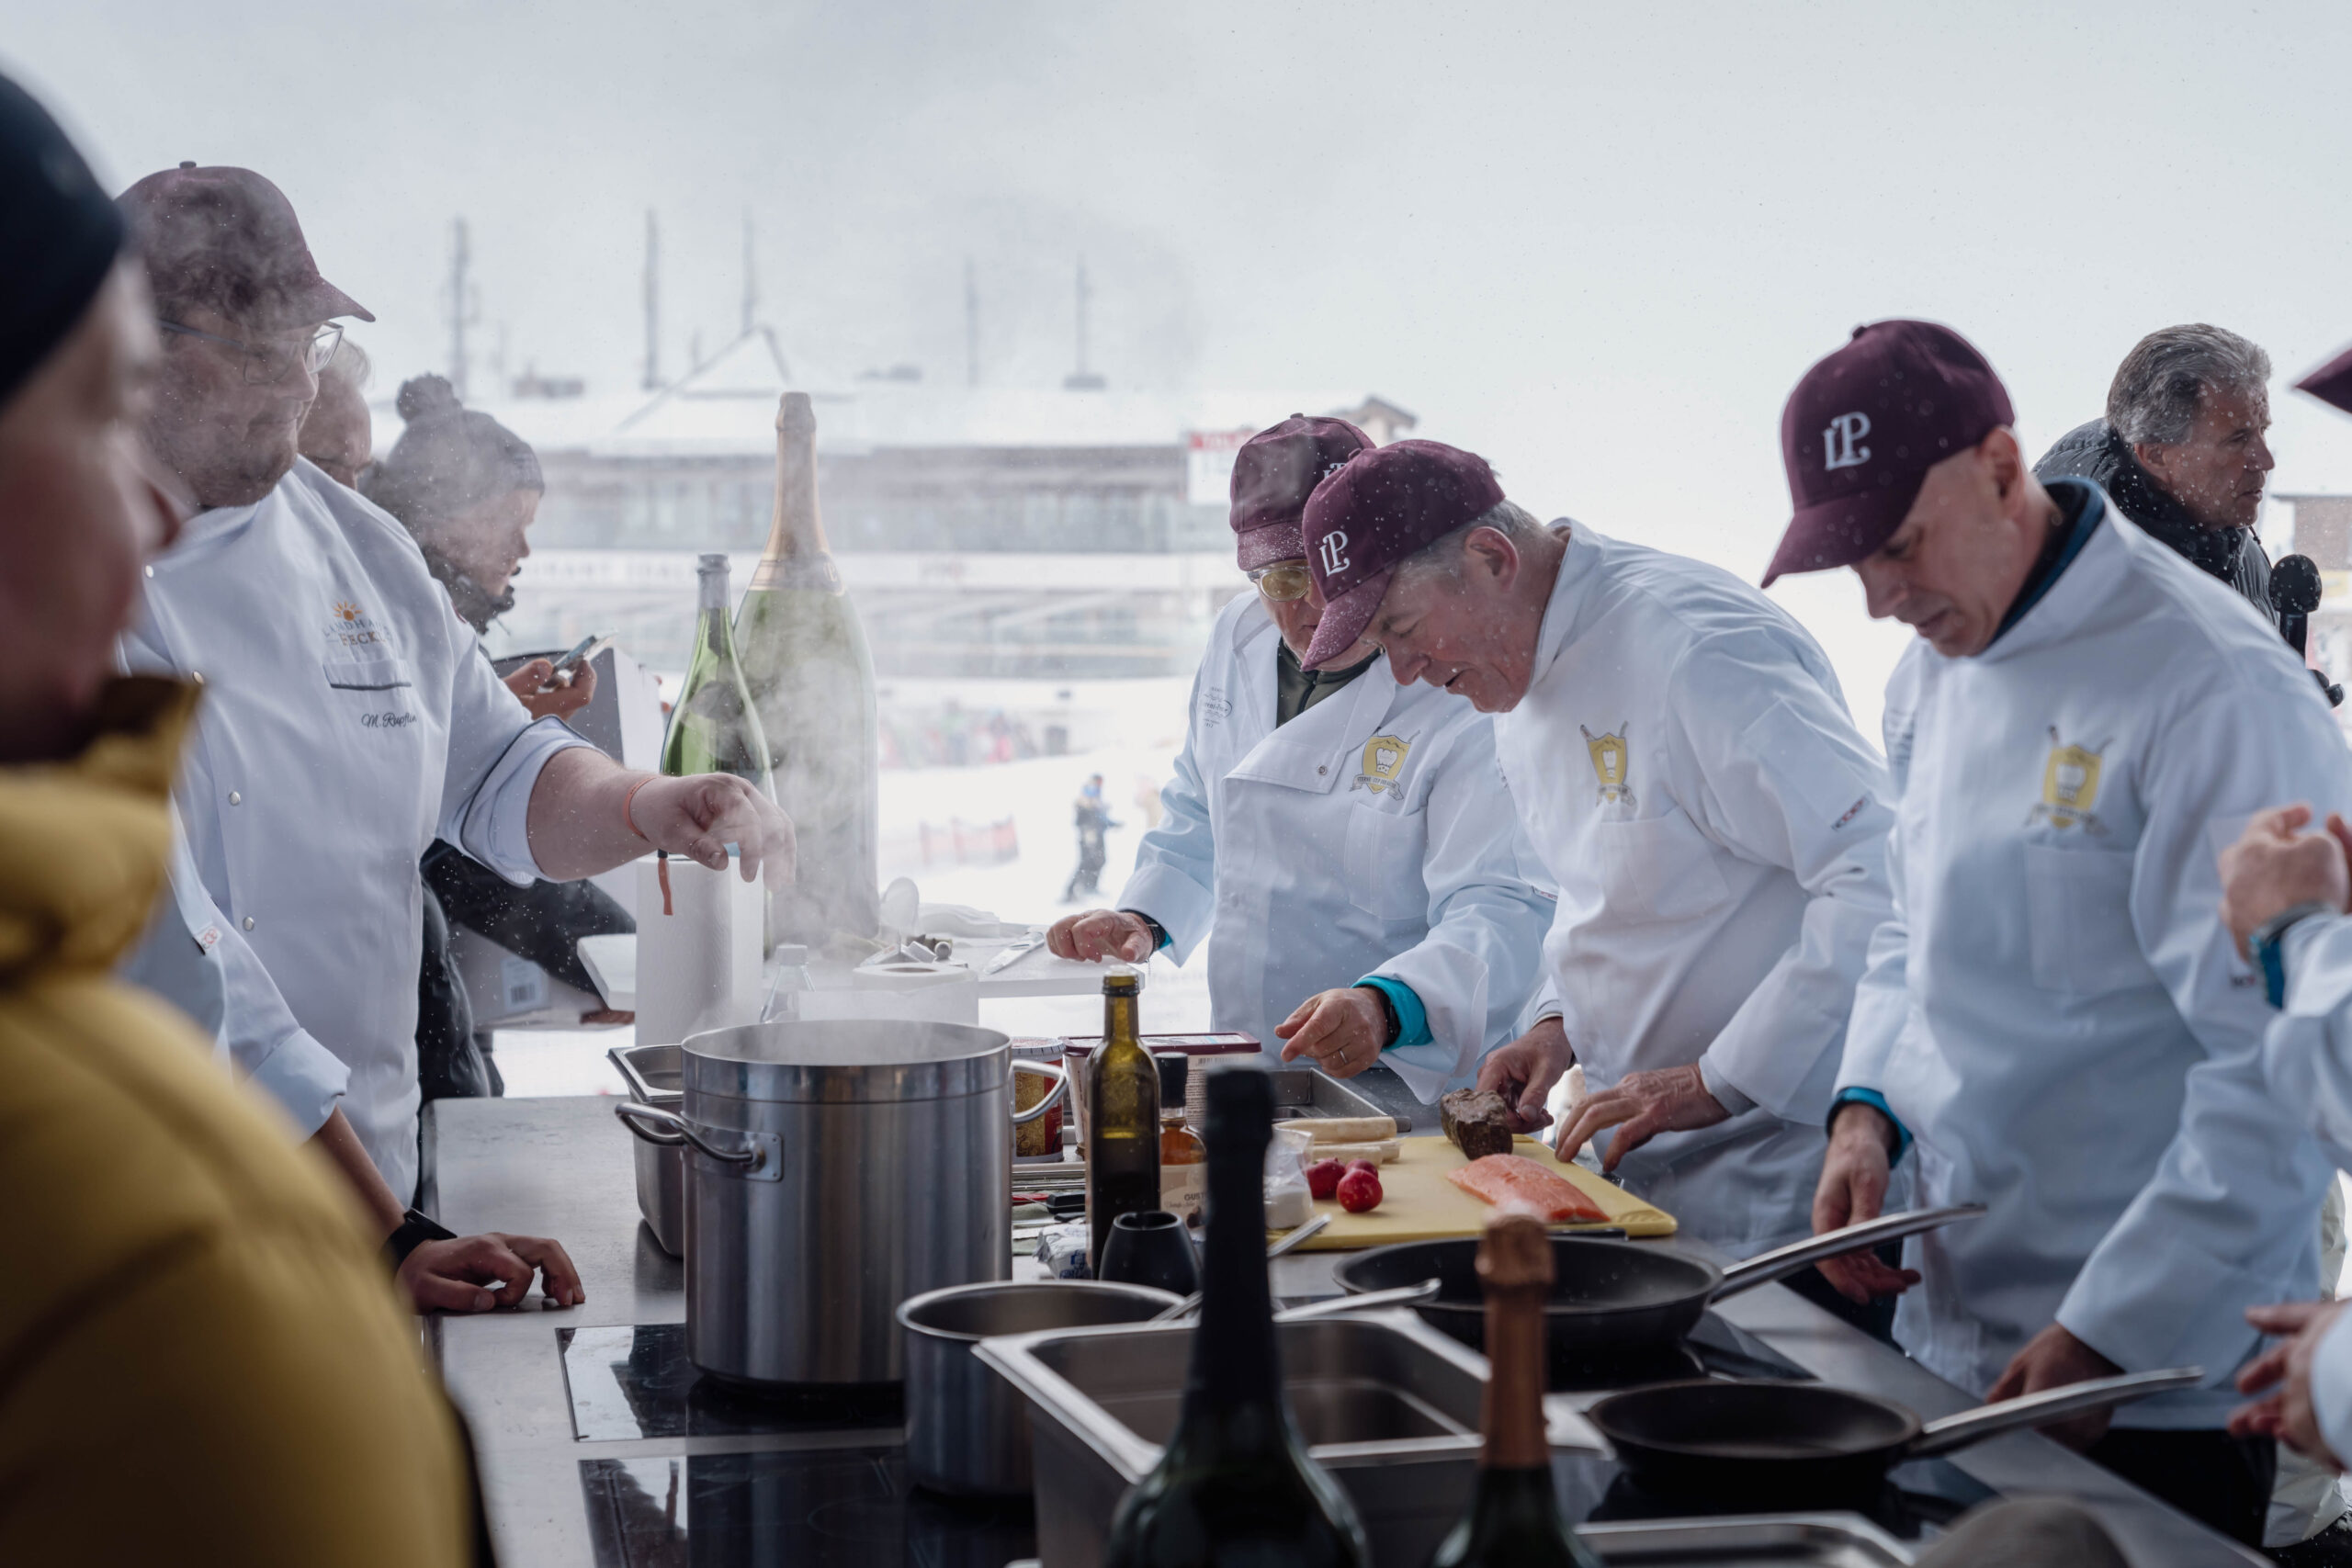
[{"x": 1386, "y": 1404}]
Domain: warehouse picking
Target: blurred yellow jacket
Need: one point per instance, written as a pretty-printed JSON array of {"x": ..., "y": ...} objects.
[{"x": 202, "y": 1360}]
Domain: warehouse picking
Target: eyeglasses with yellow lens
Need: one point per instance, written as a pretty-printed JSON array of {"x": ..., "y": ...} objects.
[{"x": 1283, "y": 581}]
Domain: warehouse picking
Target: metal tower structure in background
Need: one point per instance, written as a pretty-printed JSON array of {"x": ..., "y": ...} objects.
[
  {"x": 652, "y": 302},
  {"x": 463, "y": 304},
  {"x": 971, "y": 323},
  {"x": 1082, "y": 379},
  {"x": 751, "y": 277}
]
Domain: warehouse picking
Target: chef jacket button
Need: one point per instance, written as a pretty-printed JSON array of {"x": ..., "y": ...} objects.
[
  {"x": 151, "y": 571},
  {"x": 249, "y": 923},
  {"x": 1323, "y": 770},
  {"x": 235, "y": 799},
  {"x": 196, "y": 676}
]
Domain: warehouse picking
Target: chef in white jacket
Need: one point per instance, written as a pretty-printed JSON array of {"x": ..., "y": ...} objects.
[
  {"x": 1682, "y": 762},
  {"x": 348, "y": 716},
  {"x": 1344, "y": 844},
  {"x": 2284, "y": 896},
  {"x": 2055, "y": 1023}
]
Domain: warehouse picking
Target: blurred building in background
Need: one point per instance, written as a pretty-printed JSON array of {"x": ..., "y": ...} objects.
[{"x": 986, "y": 533}]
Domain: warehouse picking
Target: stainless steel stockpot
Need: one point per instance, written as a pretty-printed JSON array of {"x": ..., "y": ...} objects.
[{"x": 836, "y": 1168}]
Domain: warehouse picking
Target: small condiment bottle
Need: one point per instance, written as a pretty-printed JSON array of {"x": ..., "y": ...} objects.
[{"x": 1183, "y": 1158}]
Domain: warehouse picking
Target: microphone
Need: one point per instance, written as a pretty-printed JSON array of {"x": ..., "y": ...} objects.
[{"x": 2295, "y": 594}]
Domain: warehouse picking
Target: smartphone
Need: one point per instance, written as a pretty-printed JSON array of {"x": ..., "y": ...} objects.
[{"x": 585, "y": 650}]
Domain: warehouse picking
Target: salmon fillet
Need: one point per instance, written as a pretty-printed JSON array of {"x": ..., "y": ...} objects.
[{"x": 1514, "y": 1180}]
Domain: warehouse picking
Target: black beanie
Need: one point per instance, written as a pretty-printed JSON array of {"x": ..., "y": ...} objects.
[
  {"x": 59, "y": 236},
  {"x": 449, "y": 458}
]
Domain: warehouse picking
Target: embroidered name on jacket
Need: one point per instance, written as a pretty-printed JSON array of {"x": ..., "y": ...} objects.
[
  {"x": 2070, "y": 786},
  {"x": 1609, "y": 763}
]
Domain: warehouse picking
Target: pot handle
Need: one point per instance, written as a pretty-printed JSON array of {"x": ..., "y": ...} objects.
[
  {"x": 1053, "y": 1095},
  {"x": 1401, "y": 1295},
  {"x": 656, "y": 1125},
  {"x": 1783, "y": 1261},
  {"x": 2040, "y": 1409}
]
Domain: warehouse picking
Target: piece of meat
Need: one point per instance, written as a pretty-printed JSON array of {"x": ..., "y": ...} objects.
[
  {"x": 1514, "y": 1179},
  {"x": 1477, "y": 1121}
]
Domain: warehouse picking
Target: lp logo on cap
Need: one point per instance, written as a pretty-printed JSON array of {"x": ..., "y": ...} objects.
[
  {"x": 1841, "y": 442},
  {"x": 1334, "y": 549}
]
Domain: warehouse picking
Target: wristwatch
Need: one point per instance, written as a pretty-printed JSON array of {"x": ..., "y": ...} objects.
[
  {"x": 415, "y": 1229},
  {"x": 2266, "y": 945},
  {"x": 1388, "y": 1012}
]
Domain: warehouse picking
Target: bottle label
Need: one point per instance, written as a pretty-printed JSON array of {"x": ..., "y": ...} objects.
[
  {"x": 1181, "y": 1189},
  {"x": 798, "y": 571}
]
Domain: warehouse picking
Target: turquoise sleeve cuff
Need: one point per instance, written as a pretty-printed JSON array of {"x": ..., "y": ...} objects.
[
  {"x": 1412, "y": 1017},
  {"x": 1877, "y": 1102}
]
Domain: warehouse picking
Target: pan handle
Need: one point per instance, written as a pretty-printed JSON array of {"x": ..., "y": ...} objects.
[
  {"x": 656, "y": 1125},
  {"x": 1783, "y": 1261},
  {"x": 1402, "y": 1295},
  {"x": 2040, "y": 1409}
]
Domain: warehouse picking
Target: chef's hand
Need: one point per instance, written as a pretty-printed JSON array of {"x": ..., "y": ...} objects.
[
  {"x": 1854, "y": 1175},
  {"x": 475, "y": 1273},
  {"x": 699, "y": 815},
  {"x": 1343, "y": 1031},
  {"x": 2274, "y": 866},
  {"x": 1641, "y": 1106},
  {"x": 1524, "y": 1071},
  {"x": 2285, "y": 1369},
  {"x": 2053, "y": 1359},
  {"x": 549, "y": 696},
  {"x": 1098, "y": 934}
]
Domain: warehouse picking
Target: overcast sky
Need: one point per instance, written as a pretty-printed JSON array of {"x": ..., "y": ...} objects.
[{"x": 1596, "y": 245}]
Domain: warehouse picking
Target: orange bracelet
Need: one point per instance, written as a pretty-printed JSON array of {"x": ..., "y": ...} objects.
[{"x": 629, "y": 800}]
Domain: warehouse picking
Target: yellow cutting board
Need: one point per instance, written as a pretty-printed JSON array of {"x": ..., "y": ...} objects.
[{"x": 1421, "y": 1204}]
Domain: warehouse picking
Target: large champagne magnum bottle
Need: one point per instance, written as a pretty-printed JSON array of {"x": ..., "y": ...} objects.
[
  {"x": 714, "y": 729},
  {"x": 1515, "y": 1519},
  {"x": 1122, "y": 1118},
  {"x": 812, "y": 680},
  {"x": 1235, "y": 1485}
]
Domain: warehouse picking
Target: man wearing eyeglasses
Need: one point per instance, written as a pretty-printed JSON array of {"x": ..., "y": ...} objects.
[
  {"x": 348, "y": 719},
  {"x": 1345, "y": 842}
]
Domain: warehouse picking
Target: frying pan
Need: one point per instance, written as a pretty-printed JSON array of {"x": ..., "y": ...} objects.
[
  {"x": 1613, "y": 1296},
  {"x": 1800, "y": 1445}
]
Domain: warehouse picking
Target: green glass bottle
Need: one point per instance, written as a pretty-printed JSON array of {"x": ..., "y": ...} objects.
[
  {"x": 1514, "y": 1518},
  {"x": 811, "y": 677},
  {"x": 1235, "y": 1485},
  {"x": 1122, "y": 1117},
  {"x": 714, "y": 729}
]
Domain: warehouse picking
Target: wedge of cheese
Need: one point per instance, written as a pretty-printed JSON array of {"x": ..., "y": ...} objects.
[{"x": 1342, "y": 1129}]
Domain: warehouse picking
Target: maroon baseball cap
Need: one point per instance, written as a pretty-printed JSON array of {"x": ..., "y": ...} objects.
[
  {"x": 1383, "y": 505},
  {"x": 2332, "y": 382},
  {"x": 1863, "y": 428},
  {"x": 1274, "y": 474},
  {"x": 229, "y": 238}
]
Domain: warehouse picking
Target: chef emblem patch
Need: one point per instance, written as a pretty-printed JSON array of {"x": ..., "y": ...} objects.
[
  {"x": 1609, "y": 761},
  {"x": 2070, "y": 786},
  {"x": 1383, "y": 759}
]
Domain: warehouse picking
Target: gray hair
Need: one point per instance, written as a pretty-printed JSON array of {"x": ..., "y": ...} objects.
[
  {"x": 350, "y": 365},
  {"x": 2156, "y": 389},
  {"x": 1442, "y": 557}
]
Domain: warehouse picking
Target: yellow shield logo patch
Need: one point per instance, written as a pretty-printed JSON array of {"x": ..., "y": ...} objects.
[
  {"x": 1610, "y": 763},
  {"x": 1383, "y": 758},
  {"x": 2070, "y": 786}
]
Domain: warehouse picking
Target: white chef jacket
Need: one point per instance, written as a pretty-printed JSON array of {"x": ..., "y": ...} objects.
[
  {"x": 347, "y": 722},
  {"x": 2307, "y": 1056},
  {"x": 1370, "y": 835},
  {"x": 1684, "y": 765},
  {"x": 2055, "y": 1012},
  {"x": 197, "y": 959}
]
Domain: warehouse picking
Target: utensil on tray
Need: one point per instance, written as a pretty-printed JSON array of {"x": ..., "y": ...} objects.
[
  {"x": 1610, "y": 1296},
  {"x": 1192, "y": 1304},
  {"x": 967, "y": 1429},
  {"x": 1794, "y": 1445}
]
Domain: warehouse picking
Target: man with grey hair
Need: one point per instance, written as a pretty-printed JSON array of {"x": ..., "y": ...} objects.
[
  {"x": 1683, "y": 766},
  {"x": 2181, "y": 450},
  {"x": 336, "y": 432}
]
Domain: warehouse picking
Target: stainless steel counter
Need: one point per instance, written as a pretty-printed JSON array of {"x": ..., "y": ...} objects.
[{"x": 561, "y": 1168}]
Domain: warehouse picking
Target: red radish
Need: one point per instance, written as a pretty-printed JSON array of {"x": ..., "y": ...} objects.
[
  {"x": 1323, "y": 1177},
  {"x": 1360, "y": 1188},
  {"x": 1363, "y": 1165}
]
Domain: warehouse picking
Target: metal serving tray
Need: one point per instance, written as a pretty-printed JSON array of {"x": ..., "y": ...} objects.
[{"x": 1389, "y": 1405}]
